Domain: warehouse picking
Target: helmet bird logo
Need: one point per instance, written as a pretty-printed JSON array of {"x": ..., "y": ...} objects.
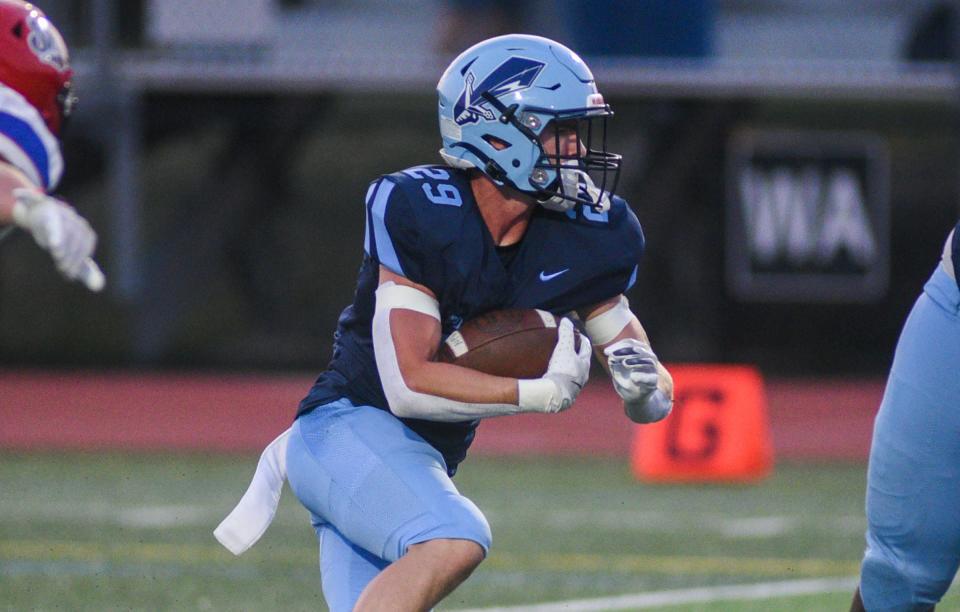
[
  {"x": 515, "y": 74},
  {"x": 45, "y": 43}
]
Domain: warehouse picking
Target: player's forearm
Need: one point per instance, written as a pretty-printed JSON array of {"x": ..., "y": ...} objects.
[
  {"x": 6, "y": 209},
  {"x": 10, "y": 179},
  {"x": 406, "y": 334},
  {"x": 446, "y": 393},
  {"x": 634, "y": 329},
  {"x": 414, "y": 341},
  {"x": 461, "y": 384},
  {"x": 641, "y": 381}
]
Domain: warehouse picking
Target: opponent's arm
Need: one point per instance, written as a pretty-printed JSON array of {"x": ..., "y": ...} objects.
[
  {"x": 10, "y": 178},
  {"x": 54, "y": 225},
  {"x": 406, "y": 335},
  {"x": 621, "y": 344}
]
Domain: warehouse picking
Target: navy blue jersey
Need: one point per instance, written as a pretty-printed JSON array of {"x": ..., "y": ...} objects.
[{"x": 423, "y": 223}]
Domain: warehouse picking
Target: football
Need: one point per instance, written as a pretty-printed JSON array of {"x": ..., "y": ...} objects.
[{"x": 513, "y": 342}]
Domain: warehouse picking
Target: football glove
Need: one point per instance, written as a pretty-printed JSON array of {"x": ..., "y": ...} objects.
[
  {"x": 62, "y": 232},
  {"x": 633, "y": 368},
  {"x": 567, "y": 373}
]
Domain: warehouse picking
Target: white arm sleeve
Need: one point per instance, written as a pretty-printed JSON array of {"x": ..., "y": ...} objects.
[{"x": 404, "y": 402}]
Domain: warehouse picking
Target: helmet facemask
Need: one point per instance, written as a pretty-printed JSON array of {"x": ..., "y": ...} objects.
[
  {"x": 589, "y": 176},
  {"x": 560, "y": 181},
  {"x": 66, "y": 104}
]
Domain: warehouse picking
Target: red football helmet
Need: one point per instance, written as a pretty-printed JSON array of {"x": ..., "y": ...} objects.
[{"x": 34, "y": 61}]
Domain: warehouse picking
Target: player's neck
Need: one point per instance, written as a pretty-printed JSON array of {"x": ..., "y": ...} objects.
[{"x": 505, "y": 212}]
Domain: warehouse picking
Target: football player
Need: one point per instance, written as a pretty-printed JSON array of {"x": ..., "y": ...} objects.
[
  {"x": 913, "y": 486},
  {"x": 35, "y": 101},
  {"x": 522, "y": 214}
]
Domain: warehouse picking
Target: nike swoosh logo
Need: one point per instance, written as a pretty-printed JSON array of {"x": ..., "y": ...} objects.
[{"x": 545, "y": 277}]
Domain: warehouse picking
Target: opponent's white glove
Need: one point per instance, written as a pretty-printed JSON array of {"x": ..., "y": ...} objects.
[
  {"x": 566, "y": 375},
  {"x": 633, "y": 368},
  {"x": 61, "y": 231}
]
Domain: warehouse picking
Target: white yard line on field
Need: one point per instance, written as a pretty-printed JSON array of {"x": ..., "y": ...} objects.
[
  {"x": 757, "y": 527},
  {"x": 162, "y": 517},
  {"x": 760, "y": 590},
  {"x": 748, "y": 527},
  {"x": 145, "y": 517}
]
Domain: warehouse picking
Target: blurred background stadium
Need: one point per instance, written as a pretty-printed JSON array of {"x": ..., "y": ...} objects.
[{"x": 793, "y": 163}]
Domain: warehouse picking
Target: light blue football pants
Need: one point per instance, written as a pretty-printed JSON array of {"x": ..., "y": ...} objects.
[
  {"x": 913, "y": 482},
  {"x": 373, "y": 488}
]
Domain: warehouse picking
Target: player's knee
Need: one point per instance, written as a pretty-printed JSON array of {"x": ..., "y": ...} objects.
[
  {"x": 473, "y": 524},
  {"x": 886, "y": 584},
  {"x": 464, "y": 521},
  {"x": 455, "y": 518}
]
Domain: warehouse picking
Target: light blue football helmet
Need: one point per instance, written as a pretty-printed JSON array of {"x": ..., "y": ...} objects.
[{"x": 496, "y": 99}]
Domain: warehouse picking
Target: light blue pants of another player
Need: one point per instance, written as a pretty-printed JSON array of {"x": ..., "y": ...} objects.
[
  {"x": 373, "y": 488},
  {"x": 913, "y": 482}
]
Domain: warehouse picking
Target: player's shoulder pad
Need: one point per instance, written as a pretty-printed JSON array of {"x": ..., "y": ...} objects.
[
  {"x": 433, "y": 188},
  {"x": 26, "y": 142},
  {"x": 624, "y": 221},
  {"x": 618, "y": 225},
  {"x": 411, "y": 214},
  {"x": 436, "y": 196}
]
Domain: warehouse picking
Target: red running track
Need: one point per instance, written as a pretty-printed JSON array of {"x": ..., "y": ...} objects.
[{"x": 93, "y": 410}]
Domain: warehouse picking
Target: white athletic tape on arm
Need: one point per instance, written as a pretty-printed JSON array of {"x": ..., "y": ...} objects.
[
  {"x": 256, "y": 509},
  {"x": 604, "y": 327},
  {"x": 404, "y": 402},
  {"x": 390, "y": 295},
  {"x": 536, "y": 393}
]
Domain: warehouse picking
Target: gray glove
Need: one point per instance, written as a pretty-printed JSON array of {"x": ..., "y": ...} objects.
[{"x": 633, "y": 368}]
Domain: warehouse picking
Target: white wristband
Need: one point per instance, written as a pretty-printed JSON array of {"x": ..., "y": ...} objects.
[{"x": 536, "y": 394}]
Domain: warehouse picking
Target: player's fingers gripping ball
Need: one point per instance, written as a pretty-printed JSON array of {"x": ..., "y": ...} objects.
[
  {"x": 566, "y": 359},
  {"x": 514, "y": 342},
  {"x": 551, "y": 360},
  {"x": 568, "y": 370}
]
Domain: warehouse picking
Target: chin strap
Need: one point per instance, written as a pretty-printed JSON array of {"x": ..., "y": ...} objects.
[
  {"x": 491, "y": 168},
  {"x": 578, "y": 182}
]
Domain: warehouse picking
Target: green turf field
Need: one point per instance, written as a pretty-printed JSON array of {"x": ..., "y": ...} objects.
[{"x": 133, "y": 532}]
